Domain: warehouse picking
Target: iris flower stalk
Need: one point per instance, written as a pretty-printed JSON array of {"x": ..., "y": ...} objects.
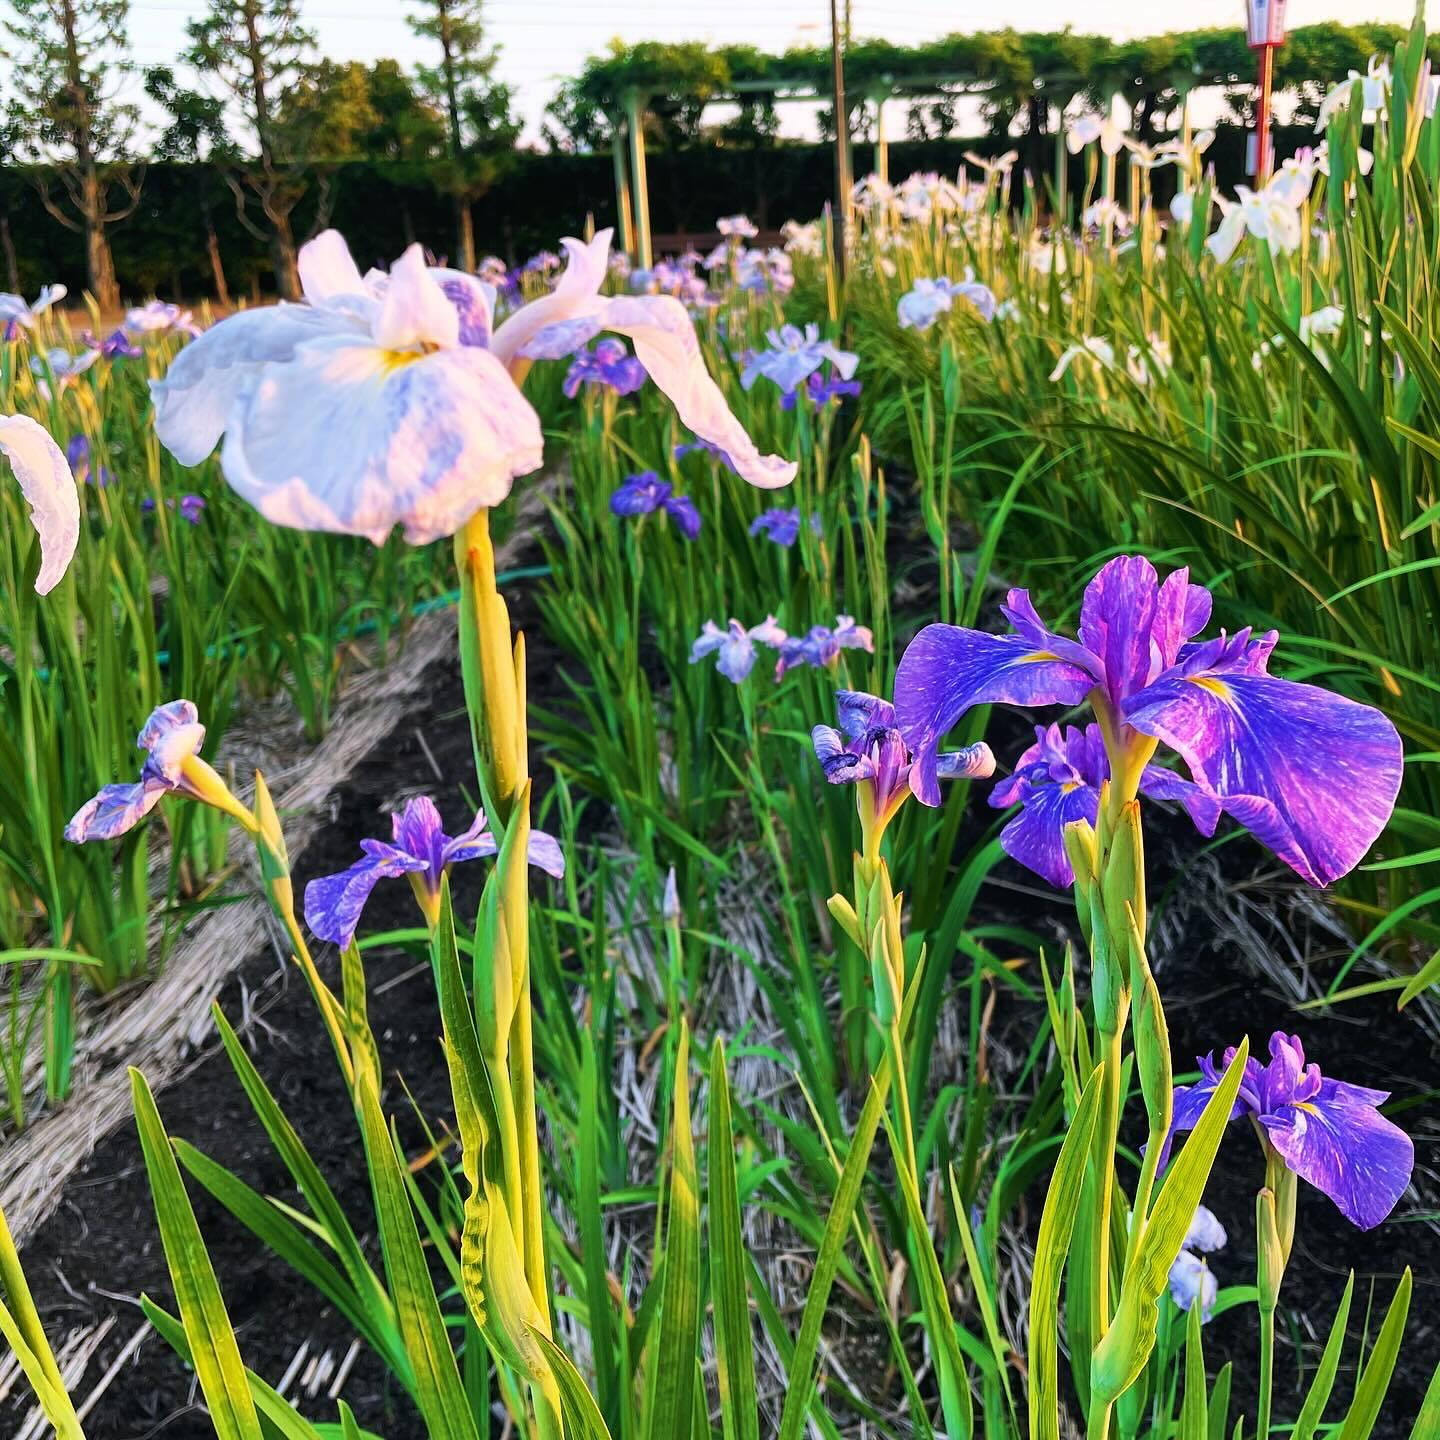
[
  {"x": 868, "y": 752},
  {"x": 1311, "y": 774}
]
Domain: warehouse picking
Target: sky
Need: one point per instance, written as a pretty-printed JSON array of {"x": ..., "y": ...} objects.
[{"x": 542, "y": 41}]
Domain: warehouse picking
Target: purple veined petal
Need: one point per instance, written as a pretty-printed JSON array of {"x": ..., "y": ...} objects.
[
  {"x": 165, "y": 720},
  {"x": 850, "y": 636},
  {"x": 663, "y": 335},
  {"x": 333, "y": 903},
  {"x": 640, "y": 494},
  {"x": 474, "y": 302},
  {"x": 1117, "y": 618},
  {"x": 1182, "y": 611},
  {"x": 841, "y": 765},
  {"x": 1344, "y": 1146},
  {"x": 418, "y": 831},
  {"x": 545, "y": 854},
  {"x": 327, "y": 269},
  {"x": 114, "y": 811},
  {"x": 860, "y": 713},
  {"x": 1188, "y": 1106},
  {"x": 49, "y": 489},
  {"x": 681, "y": 509},
  {"x": 1036, "y": 836},
  {"x": 1020, "y": 611},
  {"x": 1312, "y": 775},
  {"x": 970, "y": 762},
  {"x": 575, "y": 296},
  {"x": 946, "y": 670},
  {"x": 1202, "y": 807},
  {"x": 414, "y": 310}
]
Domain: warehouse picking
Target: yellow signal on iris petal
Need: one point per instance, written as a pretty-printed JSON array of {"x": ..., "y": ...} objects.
[
  {"x": 1036, "y": 656},
  {"x": 1218, "y": 688}
]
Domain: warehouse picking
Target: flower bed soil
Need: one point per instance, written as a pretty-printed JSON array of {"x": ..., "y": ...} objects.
[{"x": 100, "y": 1249}]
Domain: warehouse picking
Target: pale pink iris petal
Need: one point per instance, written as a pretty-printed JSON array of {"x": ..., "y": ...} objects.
[
  {"x": 576, "y": 293},
  {"x": 349, "y": 438},
  {"x": 666, "y": 345},
  {"x": 194, "y": 401},
  {"x": 49, "y": 487},
  {"x": 326, "y": 269},
  {"x": 415, "y": 311}
]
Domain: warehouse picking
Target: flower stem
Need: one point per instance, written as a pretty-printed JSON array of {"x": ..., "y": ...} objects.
[{"x": 1267, "y": 1372}]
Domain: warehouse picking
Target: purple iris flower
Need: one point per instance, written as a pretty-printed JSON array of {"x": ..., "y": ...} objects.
[
  {"x": 821, "y": 391},
  {"x": 794, "y": 355},
  {"x": 1057, "y": 782},
  {"x": 867, "y": 746},
  {"x": 77, "y": 452},
  {"x": 782, "y": 525},
  {"x": 421, "y": 849},
  {"x": 191, "y": 508},
  {"x": 734, "y": 646},
  {"x": 646, "y": 492},
  {"x": 1312, "y": 775},
  {"x": 1325, "y": 1131},
  {"x": 821, "y": 646},
  {"x": 609, "y": 365},
  {"x": 115, "y": 345},
  {"x": 172, "y": 735}
]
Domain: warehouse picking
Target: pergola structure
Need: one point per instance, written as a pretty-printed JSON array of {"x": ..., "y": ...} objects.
[{"x": 1008, "y": 65}]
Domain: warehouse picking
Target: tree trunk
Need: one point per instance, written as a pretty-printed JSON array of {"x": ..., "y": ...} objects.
[
  {"x": 12, "y": 265},
  {"x": 99, "y": 264},
  {"x": 283, "y": 257},
  {"x": 217, "y": 269},
  {"x": 464, "y": 236}
]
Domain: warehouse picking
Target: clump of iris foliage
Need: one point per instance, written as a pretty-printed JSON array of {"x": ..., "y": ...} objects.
[{"x": 1185, "y": 433}]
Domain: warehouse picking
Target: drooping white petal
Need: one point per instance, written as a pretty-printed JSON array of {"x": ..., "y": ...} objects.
[
  {"x": 206, "y": 379},
  {"x": 415, "y": 310},
  {"x": 665, "y": 344},
  {"x": 49, "y": 487},
  {"x": 350, "y": 438},
  {"x": 327, "y": 269},
  {"x": 577, "y": 293}
]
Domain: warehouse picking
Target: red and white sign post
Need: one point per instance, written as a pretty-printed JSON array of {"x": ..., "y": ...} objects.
[{"x": 1265, "y": 30}]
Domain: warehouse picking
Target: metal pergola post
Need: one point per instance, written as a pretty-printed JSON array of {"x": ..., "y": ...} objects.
[
  {"x": 624, "y": 208},
  {"x": 635, "y": 123},
  {"x": 840, "y": 218}
]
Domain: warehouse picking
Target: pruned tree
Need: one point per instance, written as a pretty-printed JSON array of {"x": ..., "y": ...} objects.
[
  {"x": 69, "y": 65},
  {"x": 196, "y": 136},
  {"x": 480, "y": 126},
  {"x": 255, "y": 51}
]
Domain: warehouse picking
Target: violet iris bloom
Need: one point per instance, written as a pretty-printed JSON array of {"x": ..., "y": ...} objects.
[
  {"x": 77, "y": 452},
  {"x": 422, "y": 850},
  {"x": 1325, "y": 1131},
  {"x": 115, "y": 345},
  {"x": 171, "y": 736},
  {"x": 191, "y": 508},
  {"x": 1057, "y": 782},
  {"x": 1312, "y": 775},
  {"x": 734, "y": 647},
  {"x": 821, "y": 646},
  {"x": 782, "y": 526},
  {"x": 608, "y": 366},
  {"x": 794, "y": 355},
  {"x": 646, "y": 492},
  {"x": 868, "y": 747},
  {"x": 820, "y": 391}
]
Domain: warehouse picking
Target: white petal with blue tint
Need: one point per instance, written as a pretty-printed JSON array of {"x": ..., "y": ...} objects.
[{"x": 49, "y": 489}]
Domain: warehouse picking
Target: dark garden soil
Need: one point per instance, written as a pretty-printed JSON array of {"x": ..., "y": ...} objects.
[{"x": 100, "y": 1249}]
